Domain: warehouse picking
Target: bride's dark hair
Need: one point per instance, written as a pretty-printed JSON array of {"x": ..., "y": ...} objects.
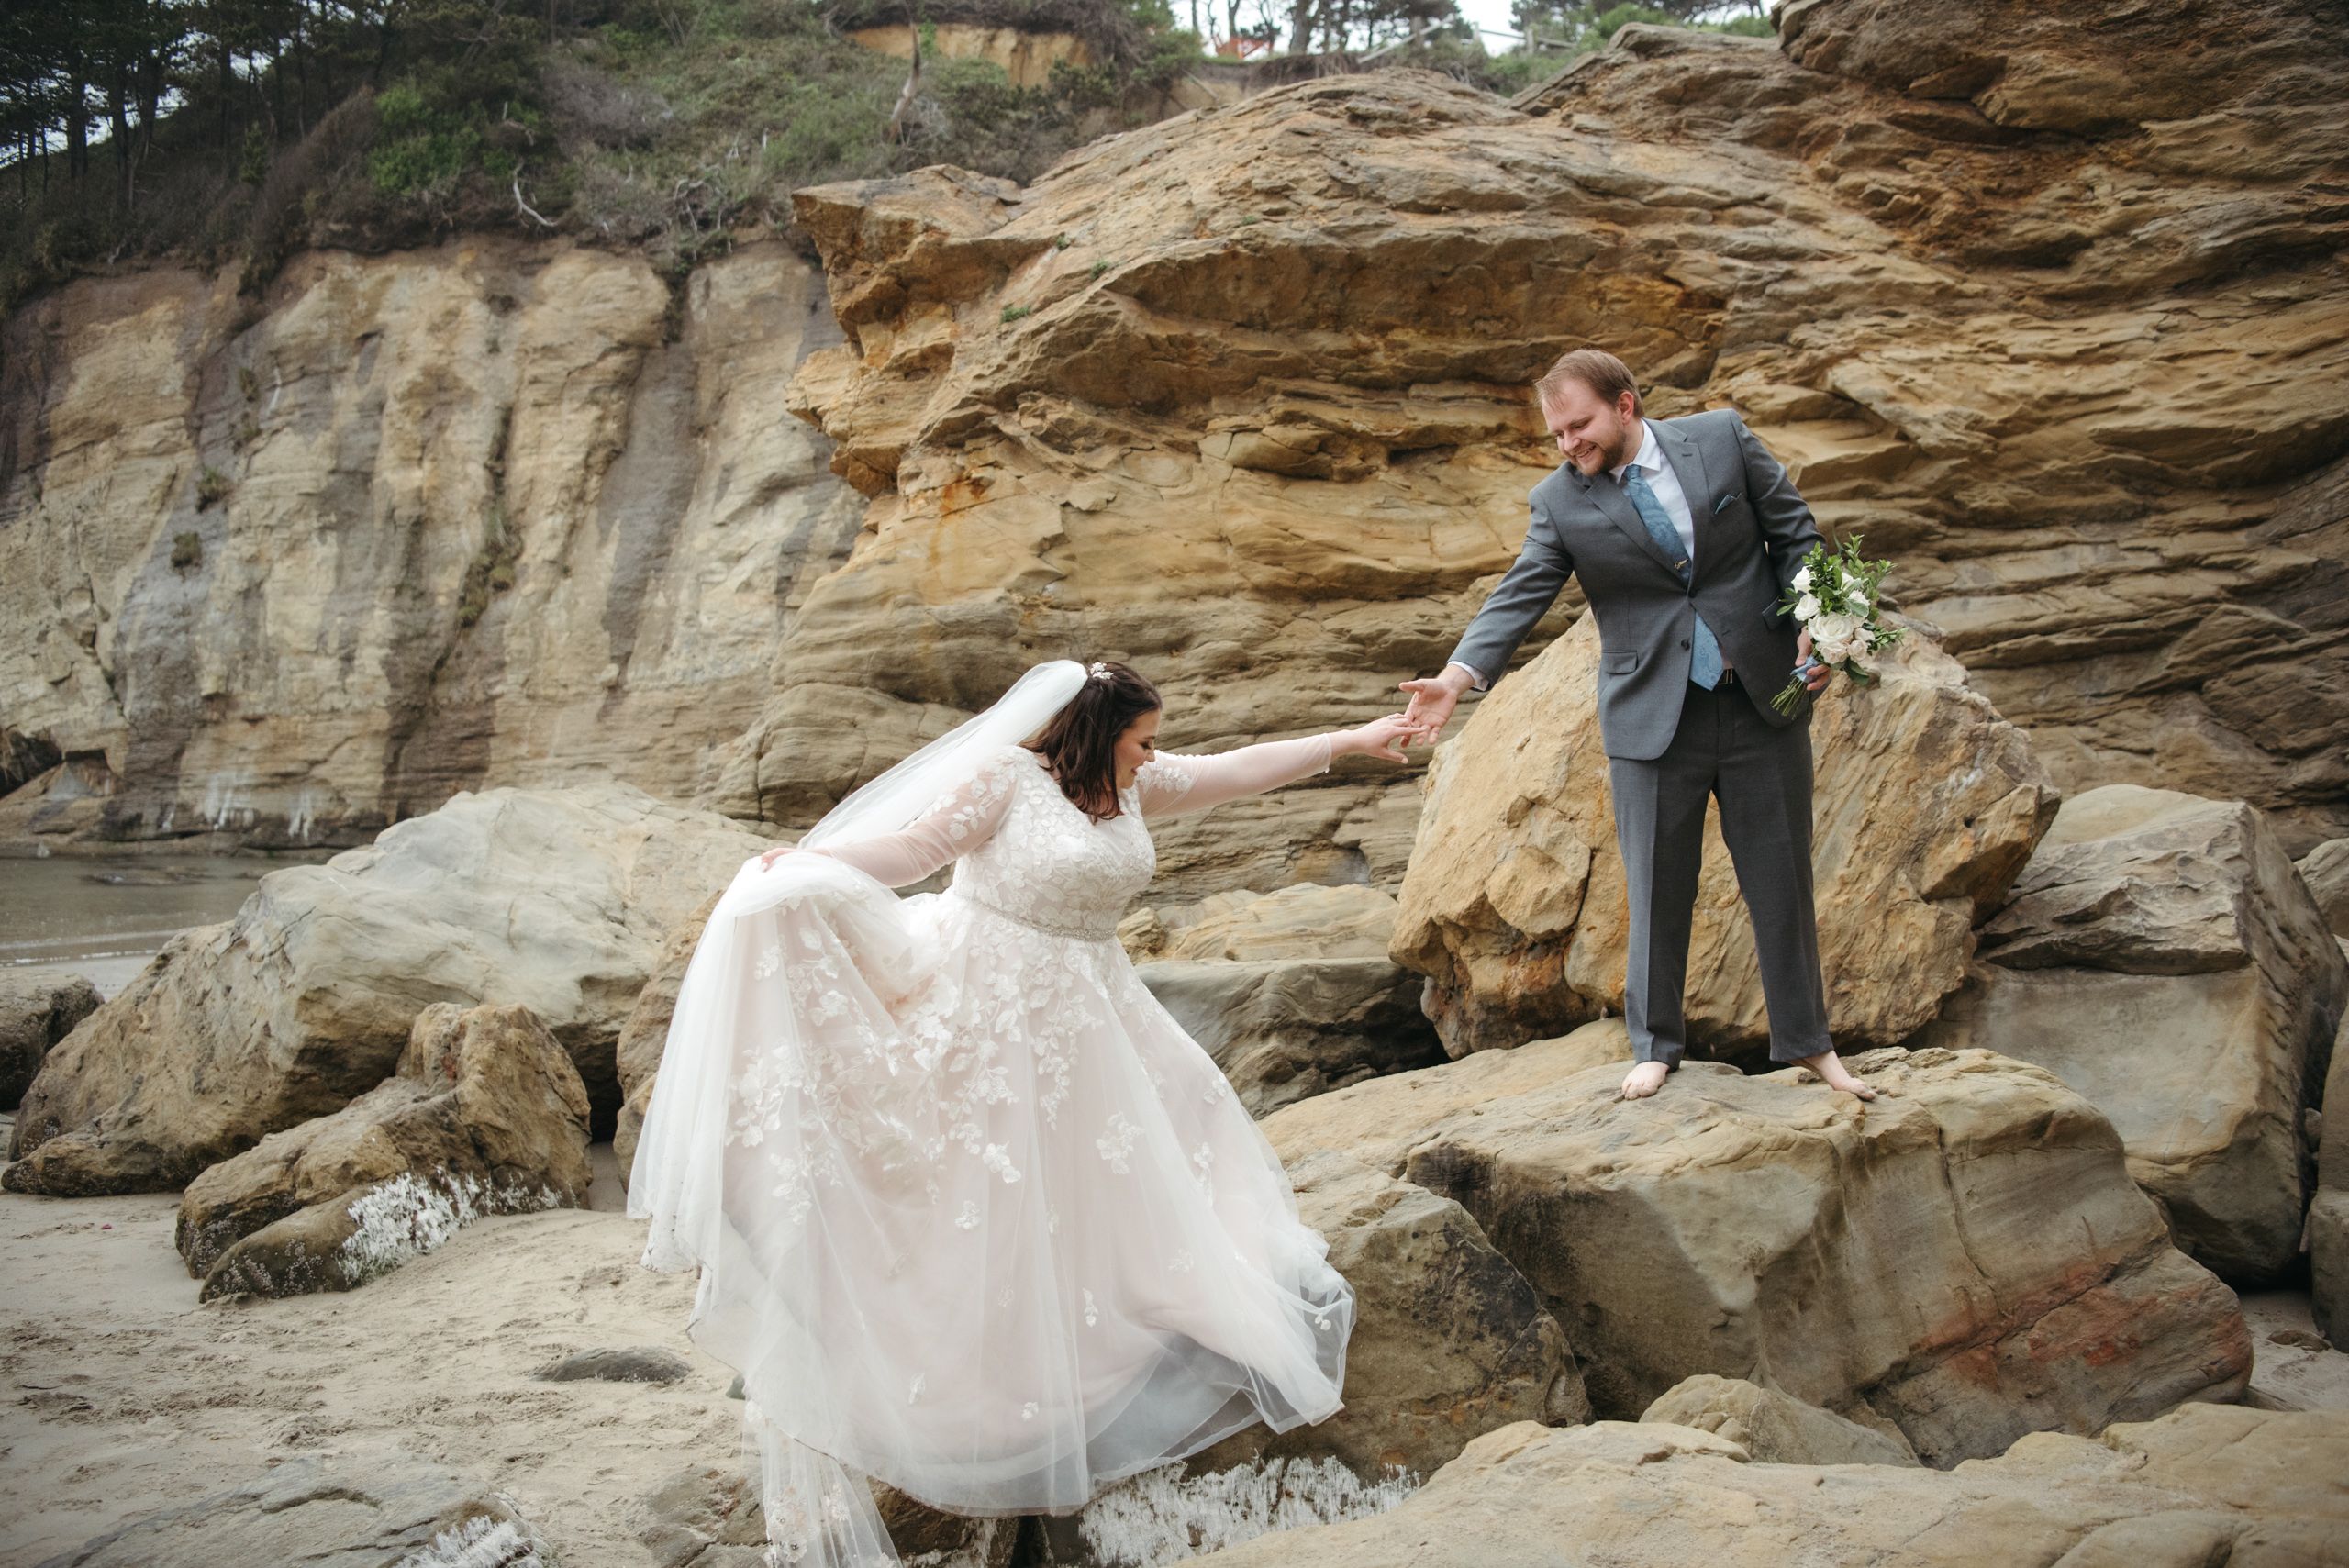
[{"x": 1080, "y": 745}]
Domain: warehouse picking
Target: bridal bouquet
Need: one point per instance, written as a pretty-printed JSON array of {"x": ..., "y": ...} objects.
[{"x": 1833, "y": 598}]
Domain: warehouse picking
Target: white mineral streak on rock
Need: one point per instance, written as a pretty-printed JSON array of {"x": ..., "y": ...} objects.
[
  {"x": 410, "y": 1215},
  {"x": 1161, "y": 1517}
]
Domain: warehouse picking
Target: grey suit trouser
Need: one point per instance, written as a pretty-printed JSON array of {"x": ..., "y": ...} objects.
[{"x": 1761, "y": 775}]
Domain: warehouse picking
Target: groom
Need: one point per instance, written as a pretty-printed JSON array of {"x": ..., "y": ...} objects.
[{"x": 1684, "y": 533}]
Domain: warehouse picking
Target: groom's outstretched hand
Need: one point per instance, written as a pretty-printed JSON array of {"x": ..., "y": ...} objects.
[{"x": 1433, "y": 700}]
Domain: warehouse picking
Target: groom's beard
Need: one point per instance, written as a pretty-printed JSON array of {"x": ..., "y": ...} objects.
[{"x": 1596, "y": 459}]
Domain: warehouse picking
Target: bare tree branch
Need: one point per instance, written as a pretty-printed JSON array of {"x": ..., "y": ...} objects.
[
  {"x": 543, "y": 221},
  {"x": 894, "y": 131}
]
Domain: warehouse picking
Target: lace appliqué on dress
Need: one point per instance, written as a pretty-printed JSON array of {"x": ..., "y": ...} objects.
[{"x": 1117, "y": 1143}]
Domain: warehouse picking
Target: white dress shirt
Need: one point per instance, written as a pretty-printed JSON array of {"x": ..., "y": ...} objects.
[
  {"x": 1649, "y": 461},
  {"x": 1666, "y": 486}
]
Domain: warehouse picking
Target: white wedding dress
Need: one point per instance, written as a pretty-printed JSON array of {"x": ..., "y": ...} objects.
[{"x": 975, "y": 1217}]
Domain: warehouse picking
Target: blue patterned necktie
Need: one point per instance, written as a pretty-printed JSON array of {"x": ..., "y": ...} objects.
[{"x": 1705, "y": 658}]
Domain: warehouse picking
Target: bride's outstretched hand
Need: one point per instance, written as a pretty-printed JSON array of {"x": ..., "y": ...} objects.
[
  {"x": 767, "y": 860},
  {"x": 1383, "y": 737}
]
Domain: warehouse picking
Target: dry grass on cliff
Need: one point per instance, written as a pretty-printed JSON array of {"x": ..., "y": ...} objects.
[{"x": 758, "y": 97}]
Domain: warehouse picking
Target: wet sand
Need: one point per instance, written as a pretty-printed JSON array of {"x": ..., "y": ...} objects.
[{"x": 126, "y": 1395}]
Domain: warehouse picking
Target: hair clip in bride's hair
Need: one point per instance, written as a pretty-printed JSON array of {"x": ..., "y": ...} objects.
[{"x": 1097, "y": 671}]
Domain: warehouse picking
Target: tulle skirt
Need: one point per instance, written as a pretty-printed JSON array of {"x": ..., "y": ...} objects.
[{"x": 973, "y": 1215}]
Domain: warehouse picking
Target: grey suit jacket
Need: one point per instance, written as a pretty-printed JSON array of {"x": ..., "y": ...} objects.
[{"x": 1753, "y": 531}]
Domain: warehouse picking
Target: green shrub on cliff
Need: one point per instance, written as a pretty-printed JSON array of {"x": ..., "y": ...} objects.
[{"x": 236, "y": 131}]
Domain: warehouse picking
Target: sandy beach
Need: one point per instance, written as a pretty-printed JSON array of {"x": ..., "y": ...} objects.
[{"x": 126, "y": 1395}]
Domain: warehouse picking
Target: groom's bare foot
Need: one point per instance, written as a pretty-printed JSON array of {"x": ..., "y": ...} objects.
[
  {"x": 1643, "y": 1079},
  {"x": 1830, "y": 1069}
]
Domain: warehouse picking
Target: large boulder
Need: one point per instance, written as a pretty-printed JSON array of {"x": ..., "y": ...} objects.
[
  {"x": 1773, "y": 1428},
  {"x": 1283, "y": 1029},
  {"x": 1449, "y": 1340},
  {"x": 485, "y": 1114},
  {"x": 2206, "y": 1483},
  {"x": 393, "y": 1511},
  {"x": 2161, "y": 955},
  {"x": 556, "y": 900},
  {"x": 2329, "y": 1211},
  {"x": 2326, "y": 870},
  {"x": 1449, "y": 1343},
  {"x": 1965, "y": 1258},
  {"x": 36, "y": 1012},
  {"x": 1382, "y": 1127},
  {"x": 1927, "y": 805},
  {"x": 644, "y": 1034}
]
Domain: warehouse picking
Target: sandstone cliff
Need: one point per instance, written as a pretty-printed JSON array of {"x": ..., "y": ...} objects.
[
  {"x": 2054, "y": 320},
  {"x": 2051, "y": 314},
  {"x": 299, "y": 566}
]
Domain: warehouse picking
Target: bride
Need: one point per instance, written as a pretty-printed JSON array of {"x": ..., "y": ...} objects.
[{"x": 974, "y": 1215}]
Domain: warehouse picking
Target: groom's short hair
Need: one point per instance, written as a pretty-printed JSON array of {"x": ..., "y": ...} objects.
[{"x": 1596, "y": 369}]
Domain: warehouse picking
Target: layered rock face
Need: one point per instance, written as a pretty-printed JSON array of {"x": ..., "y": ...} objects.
[
  {"x": 1239, "y": 396},
  {"x": 558, "y": 900},
  {"x": 2161, "y": 956},
  {"x": 1926, "y": 805},
  {"x": 490, "y": 513},
  {"x": 1965, "y": 1260},
  {"x": 2206, "y": 1483}
]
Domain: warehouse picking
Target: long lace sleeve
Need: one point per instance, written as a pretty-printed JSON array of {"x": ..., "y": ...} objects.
[
  {"x": 1170, "y": 786},
  {"x": 963, "y": 820}
]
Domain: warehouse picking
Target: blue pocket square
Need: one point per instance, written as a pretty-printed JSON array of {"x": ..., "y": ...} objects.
[{"x": 1725, "y": 500}]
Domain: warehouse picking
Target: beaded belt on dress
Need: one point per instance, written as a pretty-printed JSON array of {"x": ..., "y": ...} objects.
[{"x": 1091, "y": 931}]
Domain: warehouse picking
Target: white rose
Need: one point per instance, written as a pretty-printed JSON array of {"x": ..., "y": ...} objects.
[
  {"x": 1831, "y": 637},
  {"x": 1806, "y": 607},
  {"x": 1802, "y": 580}
]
